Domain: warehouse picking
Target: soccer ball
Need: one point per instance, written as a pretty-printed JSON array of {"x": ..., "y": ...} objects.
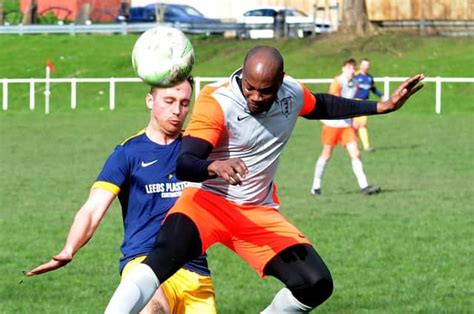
[{"x": 163, "y": 56}]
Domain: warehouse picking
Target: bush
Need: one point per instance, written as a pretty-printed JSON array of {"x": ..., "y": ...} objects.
[
  {"x": 13, "y": 17},
  {"x": 48, "y": 18}
]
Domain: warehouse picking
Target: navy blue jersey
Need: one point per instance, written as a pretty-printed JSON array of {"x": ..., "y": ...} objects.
[
  {"x": 142, "y": 174},
  {"x": 365, "y": 84}
]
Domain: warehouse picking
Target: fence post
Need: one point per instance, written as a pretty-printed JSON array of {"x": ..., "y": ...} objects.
[
  {"x": 5, "y": 95},
  {"x": 112, "y": 94},
  {"x": 73, "y": 94},
  {"x": 386, "y": 87},
  {"x": 47, "y": 92},
  {"x": 72, "y": 29},
  {"x": 438, "y": 95},
  {"x": 197, "y": 87},
  {"x": 32, "y": 94},
  {"x": 123, "y": 28}
]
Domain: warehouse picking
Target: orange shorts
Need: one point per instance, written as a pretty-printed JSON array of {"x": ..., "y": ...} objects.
[
  {"x": 332, "y": 136},
  {"x": 255, "y": 233}
]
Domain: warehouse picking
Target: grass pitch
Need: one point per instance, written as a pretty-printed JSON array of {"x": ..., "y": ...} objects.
[{"x": 409, "y": 249}]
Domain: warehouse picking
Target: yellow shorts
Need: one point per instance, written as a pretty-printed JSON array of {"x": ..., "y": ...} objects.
[
  {"x": 359, "y": 121},
  {"x": 187, "y": 292}
]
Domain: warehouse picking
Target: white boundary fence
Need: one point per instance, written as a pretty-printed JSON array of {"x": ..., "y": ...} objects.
[{"x": 198, "y": 82}]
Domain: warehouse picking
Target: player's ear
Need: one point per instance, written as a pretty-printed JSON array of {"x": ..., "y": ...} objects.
[
  {"x": 283, "y": 74},
  {"x": 150, "y": 100}
]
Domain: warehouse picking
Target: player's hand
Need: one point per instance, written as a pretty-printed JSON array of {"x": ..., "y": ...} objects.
[
  {"x": 57, "y": 261},
  {"x": 401, "y": 95},
  {"x": 232, "y": 170}
]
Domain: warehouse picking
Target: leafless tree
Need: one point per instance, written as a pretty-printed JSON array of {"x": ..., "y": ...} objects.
[
  {"x": 1, "y": 12},
  {"x": 31, "y": 13},
  {"x": 355, "y": 19}
]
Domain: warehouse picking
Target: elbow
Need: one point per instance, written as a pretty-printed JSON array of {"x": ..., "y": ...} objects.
[
  {"x": 191, "y": 164},
  {"x": 192, "y": 169},
  {"x": 181, "y": 168}
]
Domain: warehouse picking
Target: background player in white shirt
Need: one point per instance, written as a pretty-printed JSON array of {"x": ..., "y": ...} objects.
[{"x": 342, "y": 131}]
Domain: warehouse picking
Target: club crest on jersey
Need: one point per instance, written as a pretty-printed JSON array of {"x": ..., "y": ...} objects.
[{"x": 285, "y": 105}]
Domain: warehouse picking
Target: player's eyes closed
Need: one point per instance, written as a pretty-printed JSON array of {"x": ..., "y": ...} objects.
[
  {"x": 263, "y": 91},
  {"x": 169, "y": 101},
  {"x": 266, "y": 91}
]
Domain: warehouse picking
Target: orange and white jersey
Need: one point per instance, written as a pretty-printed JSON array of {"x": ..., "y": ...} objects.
[
  {"x": 221, "y": 117},
  {"x": 343, "y": 87}
]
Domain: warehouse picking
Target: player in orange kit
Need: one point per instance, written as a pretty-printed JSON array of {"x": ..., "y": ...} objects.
[{"x": 231, "y": 149}]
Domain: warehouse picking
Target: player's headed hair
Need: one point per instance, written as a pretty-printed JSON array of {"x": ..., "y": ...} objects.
[
  {"x": 350, "y": 61},
  {"x": 364, "y": 60},
  {"x": 267, "y": 52},
  {"x": 189, "y": 79}
]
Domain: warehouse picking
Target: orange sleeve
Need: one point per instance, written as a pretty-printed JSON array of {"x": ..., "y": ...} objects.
[
  {"x": 309, "y": 101},
  {"x": 207, "y": 120},
  {"x": 335, "y": 88}
]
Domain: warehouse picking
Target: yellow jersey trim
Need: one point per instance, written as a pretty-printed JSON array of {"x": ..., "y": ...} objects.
[
  {"x": 106, "y": 186},
  {"x": 134, "y": 135}
]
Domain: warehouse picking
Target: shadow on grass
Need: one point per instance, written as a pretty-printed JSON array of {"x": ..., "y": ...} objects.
[
  {"x": 396, "y": 147},
  {"x": 358, "y": 192}
]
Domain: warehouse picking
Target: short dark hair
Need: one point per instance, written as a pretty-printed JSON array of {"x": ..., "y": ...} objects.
[
  {"x": 349, "y": 61},
  {"x": 190, "y": 80}
]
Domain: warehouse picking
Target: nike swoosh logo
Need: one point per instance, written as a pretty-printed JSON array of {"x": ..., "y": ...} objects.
[
  {"x": 146, "y": 164},
  {"x": 239, "y": 118}
]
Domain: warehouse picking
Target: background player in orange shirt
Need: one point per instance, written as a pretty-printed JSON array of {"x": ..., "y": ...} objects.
[
  {"x": 342, "y": 131},
  {"x": 231, "y": 149}
]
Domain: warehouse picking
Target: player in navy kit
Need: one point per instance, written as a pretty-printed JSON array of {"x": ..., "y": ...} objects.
[
  {"x": 365, "y": 85},
  {"x": 141, "y": 173}
]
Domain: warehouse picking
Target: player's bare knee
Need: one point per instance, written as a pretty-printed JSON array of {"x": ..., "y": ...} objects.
[
  {"x": 156, "y": 306},
  {"x": 326, "y": 154}
]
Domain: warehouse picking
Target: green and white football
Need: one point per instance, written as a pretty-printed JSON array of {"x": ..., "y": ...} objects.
[{"x": 163, "y": 56}]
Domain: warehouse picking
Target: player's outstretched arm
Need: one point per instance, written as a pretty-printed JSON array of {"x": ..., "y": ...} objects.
[
  {"x": 332, "y": 107},
  {"x": 82, "y": 229},
  {"x": 401, "y": 94},
  {"x": 57, "y": 261}
]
